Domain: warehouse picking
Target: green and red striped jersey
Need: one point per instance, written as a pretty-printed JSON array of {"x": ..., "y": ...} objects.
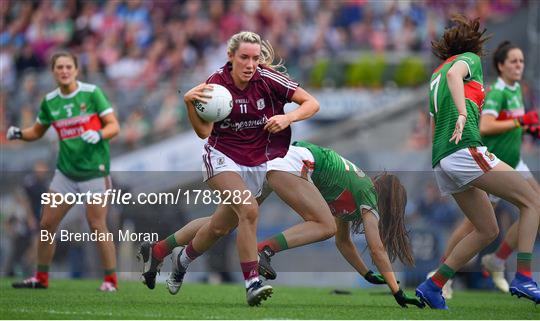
[
  {"x": 71, "y": 115},
  {"x": 444, "y": 111}
]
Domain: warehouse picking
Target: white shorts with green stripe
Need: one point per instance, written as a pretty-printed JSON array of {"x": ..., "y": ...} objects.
[
  {"x": 456, "y": 171},
  {"x": 64, "y": 185}
]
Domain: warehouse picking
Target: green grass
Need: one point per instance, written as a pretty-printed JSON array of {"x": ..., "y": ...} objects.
[{"x": 67, "y": 299}]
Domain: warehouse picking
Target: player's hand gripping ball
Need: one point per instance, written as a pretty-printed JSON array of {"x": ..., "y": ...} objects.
[{"x": 218, "y": 107}]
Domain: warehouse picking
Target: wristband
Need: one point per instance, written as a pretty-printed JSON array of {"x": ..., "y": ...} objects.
[
  {"x": 516, "y": 123},
  {"x": 464, "y": 115}
]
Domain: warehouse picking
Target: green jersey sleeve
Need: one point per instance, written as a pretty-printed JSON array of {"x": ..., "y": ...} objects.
[
  {"x": 101, "y": 102},
  {"x": 365, "y": 196},
  {"x": 493, "y": 103},
  {"x": 474, "y": 65},
  {"x": 44, "y": 117}
]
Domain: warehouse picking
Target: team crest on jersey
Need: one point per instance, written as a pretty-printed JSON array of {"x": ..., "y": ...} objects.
[
  {"x": 489, "y": 155},
  {"x": 260, "y": 104},
  {"x": 360, "y": 173},
  {"x": 220, "y": 162},
  {"x": 83, "y": 108}
]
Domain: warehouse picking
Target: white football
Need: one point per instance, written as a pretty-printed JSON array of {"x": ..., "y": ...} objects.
[{"x": 218, "y": 107}]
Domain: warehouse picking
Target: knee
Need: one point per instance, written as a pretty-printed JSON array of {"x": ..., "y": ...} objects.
[
  {"x": 491, "y": 233},
  {"x": 248, "y": 214},
  {"x": 219, "y": 231},
  {"x": 97, "y": 225},
  {"x": 329, "y": 229},
  {"x": 48, "y": 225},
  {"x": 528, "y": 201},
  {"x": 536, "y": 204}
]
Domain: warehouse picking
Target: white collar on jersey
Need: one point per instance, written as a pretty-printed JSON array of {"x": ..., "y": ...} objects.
[
  {"x": 502, "y": 84},
  {"x": 72, "y": 94}
]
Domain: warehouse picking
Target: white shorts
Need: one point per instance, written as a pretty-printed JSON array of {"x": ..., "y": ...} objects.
[
  {"x": 523, "y": 169},
  {"x": 298, "y": 161},
  {"x": 63, "y": 184},
  {"x": 457, "y": 170},
  {"x": 215, "y": 162}
]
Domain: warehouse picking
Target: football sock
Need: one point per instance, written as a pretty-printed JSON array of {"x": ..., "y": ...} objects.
[
  {"x": 110, "y": 276},
  {"x": 276, "y": 243},
  {"x": 504, "y": 251},
  {"x": 524, "y": 264},
  {"x": 188, "y": 255},
  {"x": 42, "y": 274},
  {"x": 250, "y": 271},
  {"x": 443, "y": 274},
  {"x": 164, "y": 247}
]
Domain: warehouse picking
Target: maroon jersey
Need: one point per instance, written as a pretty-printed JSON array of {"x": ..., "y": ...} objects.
[{"x": 241, "y": 136}]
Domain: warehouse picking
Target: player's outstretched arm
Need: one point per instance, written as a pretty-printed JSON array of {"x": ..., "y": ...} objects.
[
  {"x": 28, "y": 134},
  {"x": 377, "y": 250},
  {"x": 380, "y": 257},
  {"x": 347, "y": 248}
]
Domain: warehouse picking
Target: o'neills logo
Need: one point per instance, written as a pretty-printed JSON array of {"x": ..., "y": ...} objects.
[
  {"x": 489, "y": 155},
  {"x": 75, "y": 126},
  {"x": 245, "y": 124}
]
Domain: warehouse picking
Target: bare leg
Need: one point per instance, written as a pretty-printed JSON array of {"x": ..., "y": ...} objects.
[
  {"x": 223, "y": 222},
  {"x": 96, "y": 215},
  {"x": 303, "y": 197},
  {"x": 184, "y": 235},
  {"x": 516, "y": 190},
  {"x": 511, "y": 237},
  {"x": 476, "y": 206},
  {"x": 50, "y": 219},
  {"x": 220, "y": 224},
  {"x": 464, "y": 228}
]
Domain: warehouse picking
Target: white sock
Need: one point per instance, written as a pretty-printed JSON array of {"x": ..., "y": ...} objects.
[
  {"x": 249, "y": 282},
  {"x": 184, "y": 259},
  {"x": 498, "y": 261}
]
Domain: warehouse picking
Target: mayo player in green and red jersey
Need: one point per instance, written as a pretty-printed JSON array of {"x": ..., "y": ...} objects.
[
  {"x": 465, "y": 168},
  {"x": 502, "y": 124},
  {"x": 84, "y": 120},
  {"x": 358, "y": 203}
]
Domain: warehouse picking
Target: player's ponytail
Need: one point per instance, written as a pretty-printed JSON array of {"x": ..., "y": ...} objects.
[
  {"x": 464, "y": 36},
  {"x": 392, "y": 198},
  {"x": 267, "y": 51}
]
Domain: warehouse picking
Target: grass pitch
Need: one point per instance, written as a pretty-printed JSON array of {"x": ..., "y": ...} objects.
[{"x": 69, "y": 299}]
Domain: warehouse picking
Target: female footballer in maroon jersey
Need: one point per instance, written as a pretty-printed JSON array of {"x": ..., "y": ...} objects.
[{"x": 238, "y": 148}]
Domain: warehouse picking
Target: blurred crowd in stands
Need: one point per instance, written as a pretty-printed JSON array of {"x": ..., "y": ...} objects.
[{"x": 141, "y": 52}]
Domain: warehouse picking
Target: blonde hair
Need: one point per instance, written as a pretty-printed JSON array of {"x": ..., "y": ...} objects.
[{"x": 267, "y": 51}]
